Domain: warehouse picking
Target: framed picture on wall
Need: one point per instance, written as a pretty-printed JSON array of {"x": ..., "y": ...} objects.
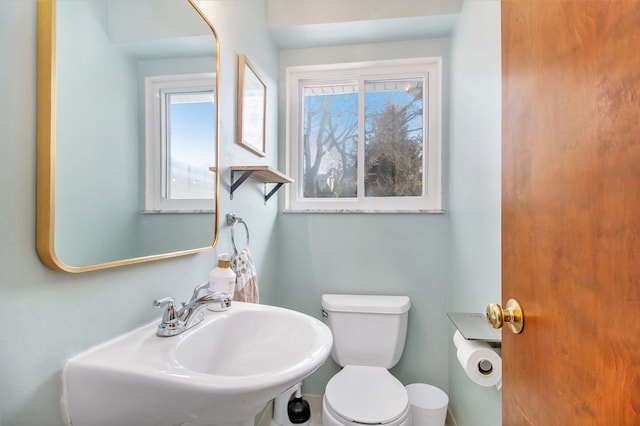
[{"x": 252, "y": 108}]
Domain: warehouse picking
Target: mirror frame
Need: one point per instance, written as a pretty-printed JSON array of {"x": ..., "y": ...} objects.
[{"x": 46, "y": 148}]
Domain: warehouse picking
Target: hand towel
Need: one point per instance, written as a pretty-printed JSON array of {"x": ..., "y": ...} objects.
[{"x": 246, "y": 278}]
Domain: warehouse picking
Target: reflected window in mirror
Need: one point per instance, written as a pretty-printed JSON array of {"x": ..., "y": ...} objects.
[{"x": 181, "y": 123}]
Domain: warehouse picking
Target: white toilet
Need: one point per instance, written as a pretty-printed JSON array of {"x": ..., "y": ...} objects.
[{"x": 369, "y": 333}]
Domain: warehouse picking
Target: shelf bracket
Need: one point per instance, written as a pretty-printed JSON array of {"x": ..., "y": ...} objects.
[
  {"x": 235, "y": 184},
  {"x": 273, "y": 191}
]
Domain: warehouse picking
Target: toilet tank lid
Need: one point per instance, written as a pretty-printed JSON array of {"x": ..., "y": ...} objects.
[{"x": 378, "y": 304}]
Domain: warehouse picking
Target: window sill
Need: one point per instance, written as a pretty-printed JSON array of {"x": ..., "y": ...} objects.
[
  {"x": 178, "y": 211},
  {"x": 351, "y": 211}
]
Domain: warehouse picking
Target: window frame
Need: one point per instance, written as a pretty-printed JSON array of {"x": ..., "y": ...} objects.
[
  {"x": 297, "y": 77},
  {"x": 155, "y": 141}
]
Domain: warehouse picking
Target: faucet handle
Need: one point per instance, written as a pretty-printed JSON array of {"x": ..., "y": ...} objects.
[
  {"x": 197, "y": 290},
  {"x": 169, "y": 315},
  {"x": 159, "y": 303},
  {"x": 223, "y": 298}
]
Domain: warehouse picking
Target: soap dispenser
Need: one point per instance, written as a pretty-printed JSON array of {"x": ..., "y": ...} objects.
[{"x": 222, "y": 278}]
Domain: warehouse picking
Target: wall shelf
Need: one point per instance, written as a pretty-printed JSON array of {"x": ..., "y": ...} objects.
[{"x": 264, "y": 174}]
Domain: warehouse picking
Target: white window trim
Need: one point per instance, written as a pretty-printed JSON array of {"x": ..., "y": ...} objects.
[
  {"x": 431, "y": 69},
  {"x": 155, "y": 202}
]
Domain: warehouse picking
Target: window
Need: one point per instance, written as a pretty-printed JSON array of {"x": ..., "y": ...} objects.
[
  {"x": 364, "y": 137},
  {"x": 181, "y": 139}
]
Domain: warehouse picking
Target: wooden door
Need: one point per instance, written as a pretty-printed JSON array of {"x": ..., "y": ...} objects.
[{"x": 571, "y": 211}]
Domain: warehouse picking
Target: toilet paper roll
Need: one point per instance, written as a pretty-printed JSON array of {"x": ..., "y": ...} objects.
[
  {"x": 481, "y": 363},
  {"x": 458, "y": 339}
]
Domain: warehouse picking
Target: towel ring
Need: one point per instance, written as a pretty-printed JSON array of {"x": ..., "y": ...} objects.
[{"x": 233, "y": 226}]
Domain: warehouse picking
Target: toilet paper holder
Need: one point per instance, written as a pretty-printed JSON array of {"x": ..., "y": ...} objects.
[{"x": 474, "y": 326}]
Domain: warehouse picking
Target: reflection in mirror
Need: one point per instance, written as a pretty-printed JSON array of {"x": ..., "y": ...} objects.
[{"x": 127, "y": 132}]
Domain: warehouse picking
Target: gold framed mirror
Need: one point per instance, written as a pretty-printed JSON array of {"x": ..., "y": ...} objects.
[{"x": 127, "y": 132}]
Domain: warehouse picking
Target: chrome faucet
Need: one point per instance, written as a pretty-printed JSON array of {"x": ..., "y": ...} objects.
[{"x": 176, "y": 321}]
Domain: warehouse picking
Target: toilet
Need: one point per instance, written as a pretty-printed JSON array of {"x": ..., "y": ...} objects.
[{"x": 369, "y": 333}]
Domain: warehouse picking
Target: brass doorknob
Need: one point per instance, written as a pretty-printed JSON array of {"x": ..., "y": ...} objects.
[{"x": 512, "y": 315}]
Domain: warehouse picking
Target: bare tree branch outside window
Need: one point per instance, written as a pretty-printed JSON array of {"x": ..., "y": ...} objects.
[
  {"x": 330, "y": 145},
  {"x": 393, "y": 141}
]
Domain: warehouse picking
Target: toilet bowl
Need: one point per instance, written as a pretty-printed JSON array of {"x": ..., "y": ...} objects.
[
  {"x": 369, "y": 333},
  {"x": 362, "y": 395}
]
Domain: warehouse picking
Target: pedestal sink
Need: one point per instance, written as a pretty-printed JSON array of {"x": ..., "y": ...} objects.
[{"x": 223, "y": 371}]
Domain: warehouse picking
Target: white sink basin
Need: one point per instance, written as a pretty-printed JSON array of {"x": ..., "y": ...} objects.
[{"x": 222, "y": 371}]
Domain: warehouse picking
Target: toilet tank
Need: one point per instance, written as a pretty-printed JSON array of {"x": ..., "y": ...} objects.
[{"x": 367, "y": 330}]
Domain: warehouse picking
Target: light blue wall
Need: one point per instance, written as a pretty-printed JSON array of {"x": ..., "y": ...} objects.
[
  {"x": 88, "y": 144},
  {"x": 49, "y": 316},
  {"x": 475, "y": 192},
  {"x": 373, "y": 253}
]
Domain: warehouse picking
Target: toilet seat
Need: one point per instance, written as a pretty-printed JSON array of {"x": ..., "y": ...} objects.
[{"x": 366, "y": 395}]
